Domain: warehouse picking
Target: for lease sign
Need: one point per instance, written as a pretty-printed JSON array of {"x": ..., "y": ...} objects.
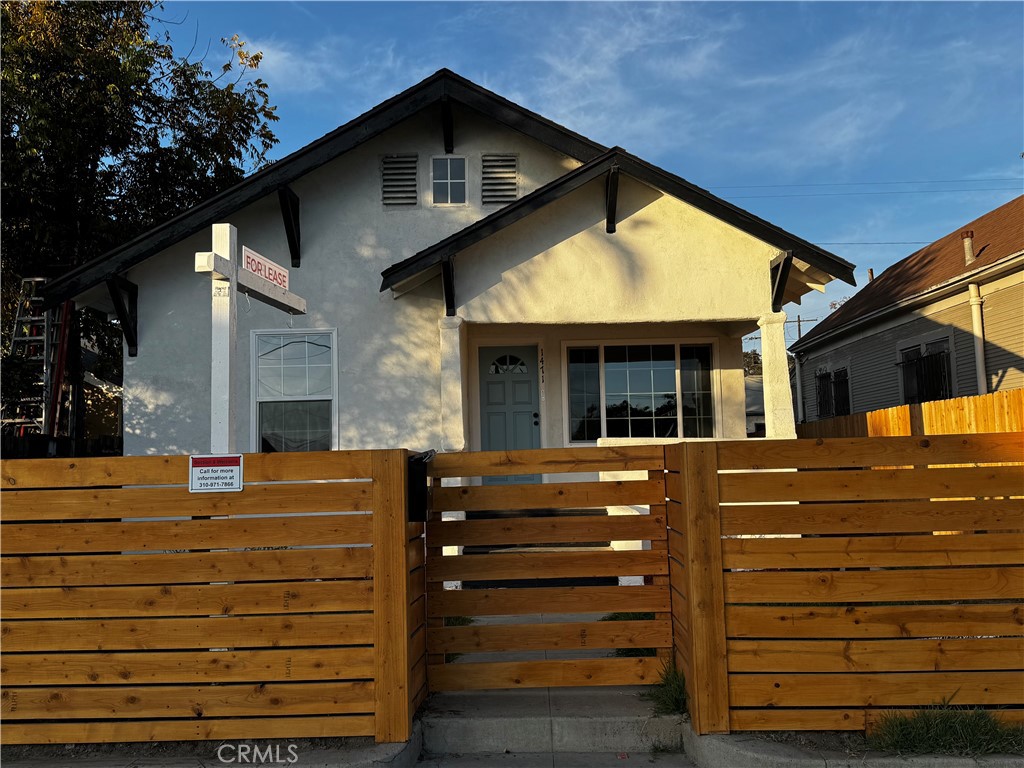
[
  {"x": 265, "y": 268},
  {"x": 215, "y": 474}
]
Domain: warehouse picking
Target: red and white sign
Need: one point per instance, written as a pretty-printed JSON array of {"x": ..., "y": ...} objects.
[
  {"x": 221, "y": 473},
  {"x": 263, "y": 267}
]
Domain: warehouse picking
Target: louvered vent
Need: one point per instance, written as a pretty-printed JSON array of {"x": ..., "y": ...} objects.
[
  {"x": 399, "y": 179},
  {"x": 500, "y": 182}
]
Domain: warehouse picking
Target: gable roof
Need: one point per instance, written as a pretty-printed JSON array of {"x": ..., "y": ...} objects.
[
  {"x": 442, "y": 85},
  {"x": 809, "y": 257},
  {"x": 997, "y": 235}
]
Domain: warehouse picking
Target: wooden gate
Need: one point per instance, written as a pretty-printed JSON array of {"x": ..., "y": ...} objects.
[
  {"x": 563, "y": 583},
  {"x": 134, "y": 610}
]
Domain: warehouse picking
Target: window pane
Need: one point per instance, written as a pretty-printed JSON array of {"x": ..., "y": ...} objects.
[
  {"x": 663, "y": 356},
  {"x": 585, "y": 393},
  {"x": 615, "y": 380},
  {"x": 665, "y": 379},
  {"x": 440, "y": 192},
  {"x": 640, "y": 380},
  {"x": 457, "y": 192},
  {"x": 319, "y": 378},
  {"x": 268, "y": 349},
  {"x": 440, "y": 169},
  {"x": 295, "y": 426},
  {"x": 293, "y": 381},
  {"x": 618, "y": 427},
  {"x": 665, "y": 404},
  {"x": 614, "y": 355},
  {"x": 640, "y": 406},
  {"x": 639, "y": 353},
  {"x": 458, "y": 168},
  {"x": 665, "y": 428},
  {"x": 616, "y": 406}
]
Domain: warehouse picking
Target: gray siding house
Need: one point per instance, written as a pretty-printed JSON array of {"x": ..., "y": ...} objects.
[{"x": 947, "y": 321}]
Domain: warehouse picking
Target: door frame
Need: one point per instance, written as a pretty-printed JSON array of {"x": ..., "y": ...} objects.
[{"x": 473, "y": 373}]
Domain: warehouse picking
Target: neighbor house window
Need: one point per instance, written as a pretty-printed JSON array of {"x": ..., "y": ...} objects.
[
  {"x": 448, "y": 175},
  {"x": 294, "y": 378},
  {"x": 925, "y": 372},
  {"x": 640, "y": 390},
  {"x": 832, "y": 393}
]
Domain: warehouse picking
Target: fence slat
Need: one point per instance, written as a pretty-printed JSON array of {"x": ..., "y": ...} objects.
[
  {"x": 871, "y": 689},
  {"x": 797, "y": 719},
  {"x": 547, "y": 460},
  {"x": 517, "y": 602},
  {"x": 188, "y": 666},
  {"x": 99, "y": 503},
  {"x": 874, "y": 551},
  {"x": 187, "y": 600},
  {"x": 545, "y": 530},
  {"x": 855, "y": 485},
  {"x": 187, "y": 567},
  {"x": 997, "y": 620},
  {"x": 977, "y": 653},
  {"x": 312, "y": 629},
  {"x": 493, "y": 638},
  {"x": 553, "y": 496},
  {"x": 542, "y": 674},
  {"x": 546, "y": 565}
]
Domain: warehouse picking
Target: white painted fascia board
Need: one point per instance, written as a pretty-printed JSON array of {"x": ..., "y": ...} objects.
[{"x": 927, "y": 296}]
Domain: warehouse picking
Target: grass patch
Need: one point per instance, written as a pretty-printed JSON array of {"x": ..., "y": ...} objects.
[
  {"x": 668, "y": 696},
  {"x": 945, "y": 729},
  {"x": 631, "y": 616}
]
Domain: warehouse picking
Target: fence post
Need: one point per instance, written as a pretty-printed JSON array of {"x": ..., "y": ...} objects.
[
  {"x": 392, "y": 708},
  {"x": 706, "y": 598}
]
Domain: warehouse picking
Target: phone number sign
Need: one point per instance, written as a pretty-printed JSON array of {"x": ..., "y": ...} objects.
[{"x": 215, "y": 474}]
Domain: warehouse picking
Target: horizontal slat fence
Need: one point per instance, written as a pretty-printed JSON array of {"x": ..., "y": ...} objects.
[
  {"x": 537, "y": 572},
  {"x": 994, "y": 412},
  {"x": 835, "y": 586},
  {"x": 133, "y": 610}
]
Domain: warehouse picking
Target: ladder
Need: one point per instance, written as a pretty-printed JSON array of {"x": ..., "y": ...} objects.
[{"x": 40, "y": 339}]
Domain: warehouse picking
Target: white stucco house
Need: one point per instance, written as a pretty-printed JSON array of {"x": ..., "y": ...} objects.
[{"x": 477, "y": 277}]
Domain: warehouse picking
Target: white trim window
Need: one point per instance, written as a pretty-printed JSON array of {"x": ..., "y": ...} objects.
[
  {"x": 635, "y": 390},
  {"x": 448, "y": 180},
  {"x": 294, "y": 385}
]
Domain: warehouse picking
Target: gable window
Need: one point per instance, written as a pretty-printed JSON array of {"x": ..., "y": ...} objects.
[
  {"x": 640, "y": 390},
  {"x": 925, "y": 372},
  {"x": 448, "y": 176},
  {"x": 294, "y": 383},
  {"x": 399, "y": 180},
  {"x": 832, "y": 393},
  {"x": 499, "y": 179}
]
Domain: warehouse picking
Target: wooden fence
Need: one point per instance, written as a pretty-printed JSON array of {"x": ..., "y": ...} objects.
[
  {"x": 994, "y": 412},
  {"x": 134, "y": 610},
  {"x": 543, "y": 553},
  {"x": 810, "y": 591}
]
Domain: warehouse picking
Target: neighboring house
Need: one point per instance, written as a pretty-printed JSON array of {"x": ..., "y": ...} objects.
[
  {"x": 538, "y": 290},
  {"x": 754, "y": 386},
  {"x": 947, "y": 321}
]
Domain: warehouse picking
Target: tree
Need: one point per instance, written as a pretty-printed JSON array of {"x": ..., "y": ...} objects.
[
  {"x": 751, "y": 362},
  {"x": 106, "y": 132}
]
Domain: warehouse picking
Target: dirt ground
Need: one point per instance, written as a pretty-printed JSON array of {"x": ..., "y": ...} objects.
[{"x": 850, "y": 743}]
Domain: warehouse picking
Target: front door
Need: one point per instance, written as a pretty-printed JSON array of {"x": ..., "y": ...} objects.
[{"x": 509, "y": 403}]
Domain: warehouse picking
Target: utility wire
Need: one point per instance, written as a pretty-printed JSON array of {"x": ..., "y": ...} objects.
[
  {"x": 891, "y": 192},
  {"x": 861, "y": 183}
]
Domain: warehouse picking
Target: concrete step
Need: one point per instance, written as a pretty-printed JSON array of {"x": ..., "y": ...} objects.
[
  {"x": 613, "y": 720},
  {"x": 559, "y": 760}
]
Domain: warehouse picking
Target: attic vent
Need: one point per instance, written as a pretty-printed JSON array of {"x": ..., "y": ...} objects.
[
  {"x": 500, "y": 182},
  {"x": 399, "y": 183}
]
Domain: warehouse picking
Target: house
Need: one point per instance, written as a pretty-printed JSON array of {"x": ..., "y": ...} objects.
[
  {"x": 476, "y": 277},
  {"x": 947, "y": 321}
]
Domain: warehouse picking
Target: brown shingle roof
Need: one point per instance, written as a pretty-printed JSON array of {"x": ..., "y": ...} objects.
[{"x": 997, "y": 234}]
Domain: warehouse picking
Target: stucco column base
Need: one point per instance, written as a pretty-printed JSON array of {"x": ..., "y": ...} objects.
[
  {"x": 453, "y": 383},
  {"x": 778, "y": 399}
]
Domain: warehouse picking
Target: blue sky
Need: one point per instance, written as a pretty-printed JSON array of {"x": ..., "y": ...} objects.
[{"x": 815, "y": 116}]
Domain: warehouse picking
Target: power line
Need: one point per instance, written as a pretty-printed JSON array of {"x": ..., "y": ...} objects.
[
  {"x": 876, "y": 242},
  {"x": 861, "y": 183},
  {"x": 891, "y": 192}
]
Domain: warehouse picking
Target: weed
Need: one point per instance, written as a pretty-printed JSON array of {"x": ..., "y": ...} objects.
[
  {"x": 668, "y": 696},
  {"x": 945, "y": 729}
]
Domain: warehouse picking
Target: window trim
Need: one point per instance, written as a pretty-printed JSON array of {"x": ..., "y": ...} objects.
[
  {"x": 433, "y": 202},
  {"x": 255, "y": 399},
  {"x": 676, "y": 342},
  {"x": 921, "y": 341}
]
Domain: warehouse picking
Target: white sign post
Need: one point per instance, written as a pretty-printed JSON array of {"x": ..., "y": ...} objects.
[{"x": 228, "y": 279}]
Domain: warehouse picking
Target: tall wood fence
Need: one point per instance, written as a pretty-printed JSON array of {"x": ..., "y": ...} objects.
[
  {"x": 540, "y": 565},
  {"x": 133, "y": 610},
  {"x": 810, "y": 590},
  {"x": 994, "y": 412}
]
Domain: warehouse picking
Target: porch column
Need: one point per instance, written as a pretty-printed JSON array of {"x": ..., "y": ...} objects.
[
  {"x": 453, "y": 388},
  {"x": 778, "y": 399}
]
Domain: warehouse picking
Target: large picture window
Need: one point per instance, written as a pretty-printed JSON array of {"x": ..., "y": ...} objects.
[
  {"x": 294, "y": 382},
  {"x": 640, "y": 390}
]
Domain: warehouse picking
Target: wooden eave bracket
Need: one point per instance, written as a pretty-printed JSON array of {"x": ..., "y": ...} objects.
[
  {"x": 125, "y": 296},
  {"x": 611, "y": 199},
  {"x": 290, "y": 214},
  {"x": 448, "y": 285},
  {"x": 447, "y": 125},
  {"x": 780, "y": 270}
]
